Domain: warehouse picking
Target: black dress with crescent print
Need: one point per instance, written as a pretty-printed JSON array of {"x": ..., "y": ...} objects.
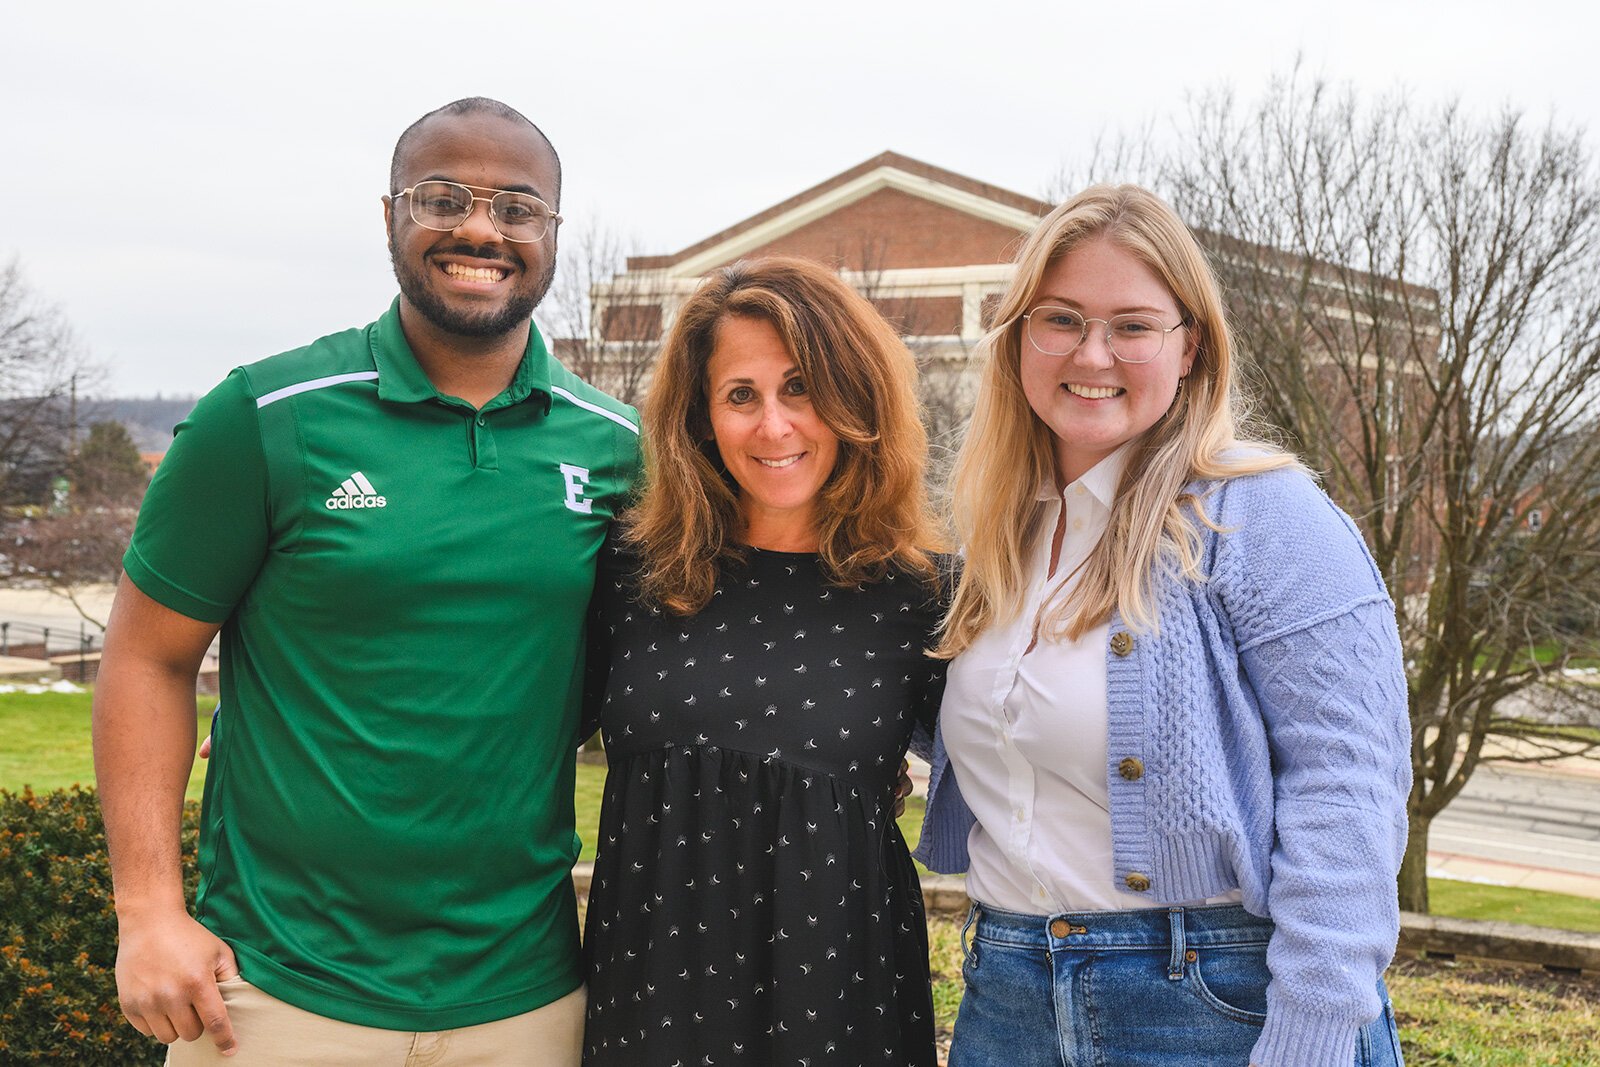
[{"x": 753, "y": 901}]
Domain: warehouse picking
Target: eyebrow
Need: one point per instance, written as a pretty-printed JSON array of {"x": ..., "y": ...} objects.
[
  {"x": 1062, "y": 301},
  {"x": 792, "y": 372},
  {"x": 517, "y": 188}
]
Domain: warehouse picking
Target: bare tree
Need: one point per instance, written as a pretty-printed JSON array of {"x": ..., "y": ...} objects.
[
  {"x": 79, "y": 539},
  {"x": 947, "y": 383},
  {"x": 1114, "y": 157},
  {"x": 42, "y": 372},
  {"x": 608, "y": 326},
  {"x": 1418, "y": 291},
  {"x": 67, "y": 551}
]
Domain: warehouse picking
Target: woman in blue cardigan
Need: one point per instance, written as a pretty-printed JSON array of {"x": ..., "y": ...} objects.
[{"x": 1174, "y": 753}]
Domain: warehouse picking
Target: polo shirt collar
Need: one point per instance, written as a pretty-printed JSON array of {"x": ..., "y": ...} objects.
[{"x": 402, "y": 379}]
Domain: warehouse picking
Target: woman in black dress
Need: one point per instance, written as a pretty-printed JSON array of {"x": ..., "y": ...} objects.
[{"x": 759, "y": 639}]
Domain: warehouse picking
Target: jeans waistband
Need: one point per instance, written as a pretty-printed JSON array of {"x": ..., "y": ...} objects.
[{"x": 1215, "y": 924}]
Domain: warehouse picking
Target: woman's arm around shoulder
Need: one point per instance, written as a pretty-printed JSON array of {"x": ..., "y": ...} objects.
[{"x": 615, "y": 567}]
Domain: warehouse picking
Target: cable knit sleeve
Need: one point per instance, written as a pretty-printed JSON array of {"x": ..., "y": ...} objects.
[{"x": 1317, "y": 640}]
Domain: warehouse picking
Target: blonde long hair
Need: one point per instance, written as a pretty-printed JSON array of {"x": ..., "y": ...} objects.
[
  {"x": 1008, "y": 452},
  {"x": 873, "y": 510}
]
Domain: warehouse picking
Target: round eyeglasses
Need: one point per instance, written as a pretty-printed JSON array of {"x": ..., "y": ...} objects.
[
  {"x": 1135, "y": 338},
  {"x": 520, "y": 217}
]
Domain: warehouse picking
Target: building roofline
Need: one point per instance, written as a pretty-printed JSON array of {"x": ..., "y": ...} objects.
[{"x": 915, "y": 167}]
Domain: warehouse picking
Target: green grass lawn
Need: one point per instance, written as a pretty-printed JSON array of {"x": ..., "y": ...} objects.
[
  {"x": 47, "y": 747},
  {"x": 1548, "y": 651},
  {"x": 1469, "y": 900},
  {"x": 47, "y": 741}
]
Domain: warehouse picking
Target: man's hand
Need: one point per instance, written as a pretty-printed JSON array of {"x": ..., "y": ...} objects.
[
  {"x": 168, "y": 968},
  {"x": 168, "y": 965},
  {"x": 902, "y": 788}
]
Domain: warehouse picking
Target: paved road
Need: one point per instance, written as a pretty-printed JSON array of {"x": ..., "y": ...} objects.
[
  {"x": 1544, "y": 821},
  {"x": 29, "y": 609}
]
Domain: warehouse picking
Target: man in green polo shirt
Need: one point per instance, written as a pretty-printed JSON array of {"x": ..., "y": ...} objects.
[{"x": 395, "y": 530}]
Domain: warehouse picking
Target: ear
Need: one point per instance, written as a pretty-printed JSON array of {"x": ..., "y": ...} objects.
[
  {"x": 1191, "y": 348},
  {"x": 388, "y": 213}
]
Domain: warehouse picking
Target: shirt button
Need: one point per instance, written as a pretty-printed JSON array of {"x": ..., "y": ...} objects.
[
  {"x": 1137, "y": 882},
  {"x": 1077, "y": 524},
  {"x": 1131, "y": 768},
  {"x": 1122, "y": 642},
  {"x": 1021, "y": 815}
]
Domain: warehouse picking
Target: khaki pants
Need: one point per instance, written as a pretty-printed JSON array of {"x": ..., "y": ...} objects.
[{"x": 274, "y": 1034}]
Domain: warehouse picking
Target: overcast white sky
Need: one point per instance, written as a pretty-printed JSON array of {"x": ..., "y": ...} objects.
[{"x": 159, "y": 157}]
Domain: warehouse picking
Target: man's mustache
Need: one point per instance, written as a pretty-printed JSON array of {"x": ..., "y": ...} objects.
[{"x": 487, "y": 252}]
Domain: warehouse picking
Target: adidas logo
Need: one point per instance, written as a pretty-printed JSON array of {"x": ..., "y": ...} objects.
[{"x": 355, "y": 492}]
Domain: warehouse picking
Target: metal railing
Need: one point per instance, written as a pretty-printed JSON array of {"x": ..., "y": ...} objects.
[{"x": 53, "y": 640}]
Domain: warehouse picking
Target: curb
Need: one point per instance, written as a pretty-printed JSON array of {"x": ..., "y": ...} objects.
[{"x": 1511, "y": 942}]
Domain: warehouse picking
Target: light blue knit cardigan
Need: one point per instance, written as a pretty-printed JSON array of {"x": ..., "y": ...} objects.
[{"x": 1270, "y": 714}]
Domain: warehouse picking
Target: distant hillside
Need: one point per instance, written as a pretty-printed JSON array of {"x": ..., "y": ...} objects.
[{"x": 149, "y": 419}]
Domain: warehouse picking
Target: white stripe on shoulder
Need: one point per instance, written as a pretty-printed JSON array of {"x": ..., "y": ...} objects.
[
  {"x": 316, "y": 383},
  {"x": 596, "y": 408}
]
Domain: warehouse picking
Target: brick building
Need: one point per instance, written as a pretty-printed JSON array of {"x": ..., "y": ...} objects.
[{"x": 928, "y": 246}]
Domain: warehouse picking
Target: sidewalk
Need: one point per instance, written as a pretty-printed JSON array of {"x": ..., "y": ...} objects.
[
  {"x": 40, "y": 607},
  {"x": 1568, "y": 766},
  {"x": 1515, "y": 875}
]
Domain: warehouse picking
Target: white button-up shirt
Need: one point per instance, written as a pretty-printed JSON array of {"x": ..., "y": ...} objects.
[{"x": 1026, "y": 731}]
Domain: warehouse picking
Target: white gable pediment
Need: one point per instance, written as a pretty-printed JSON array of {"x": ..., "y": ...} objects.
[{"x": 831, "y": 200}]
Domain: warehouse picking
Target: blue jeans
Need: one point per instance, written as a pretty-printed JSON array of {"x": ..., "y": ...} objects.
[{"x": 1163, "y": 987}]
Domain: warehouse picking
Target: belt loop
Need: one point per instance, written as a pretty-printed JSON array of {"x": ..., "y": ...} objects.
[
  {"x": 1175, "y": 961},
  {"x": 972, "y": 917}
]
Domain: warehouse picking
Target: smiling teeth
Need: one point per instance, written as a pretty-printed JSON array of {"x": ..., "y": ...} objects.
[
  {"x": 1093, "y": 392},
  {"x": 474, "y": 274},
  {"x": 786, "y": 462}
]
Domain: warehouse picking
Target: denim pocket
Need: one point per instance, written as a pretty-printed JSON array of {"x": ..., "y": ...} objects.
[
  {"x": 1379, "y": 1044},
  {"x": 1232, "y": 981}
]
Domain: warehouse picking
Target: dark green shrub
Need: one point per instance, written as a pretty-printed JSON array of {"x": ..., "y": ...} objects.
[{"x": 58, "y": 933}]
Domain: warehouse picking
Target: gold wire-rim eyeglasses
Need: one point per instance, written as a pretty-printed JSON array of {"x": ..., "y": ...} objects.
[
  {"x": 551, "y": 219},
  {"x": 1107, "y": 336}
]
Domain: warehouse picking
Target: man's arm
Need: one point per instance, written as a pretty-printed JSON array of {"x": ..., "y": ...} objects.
[{"x": 168, "y": 965}]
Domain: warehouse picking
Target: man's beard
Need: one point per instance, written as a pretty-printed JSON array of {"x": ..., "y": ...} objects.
[{"x": 512, "y": 315}]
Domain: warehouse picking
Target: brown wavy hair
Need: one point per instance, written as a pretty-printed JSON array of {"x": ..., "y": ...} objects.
[{"x": 873, "y": 510}]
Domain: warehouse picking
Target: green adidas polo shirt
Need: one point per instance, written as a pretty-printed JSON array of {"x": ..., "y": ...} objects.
[{"x": 387, "y": 835}]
